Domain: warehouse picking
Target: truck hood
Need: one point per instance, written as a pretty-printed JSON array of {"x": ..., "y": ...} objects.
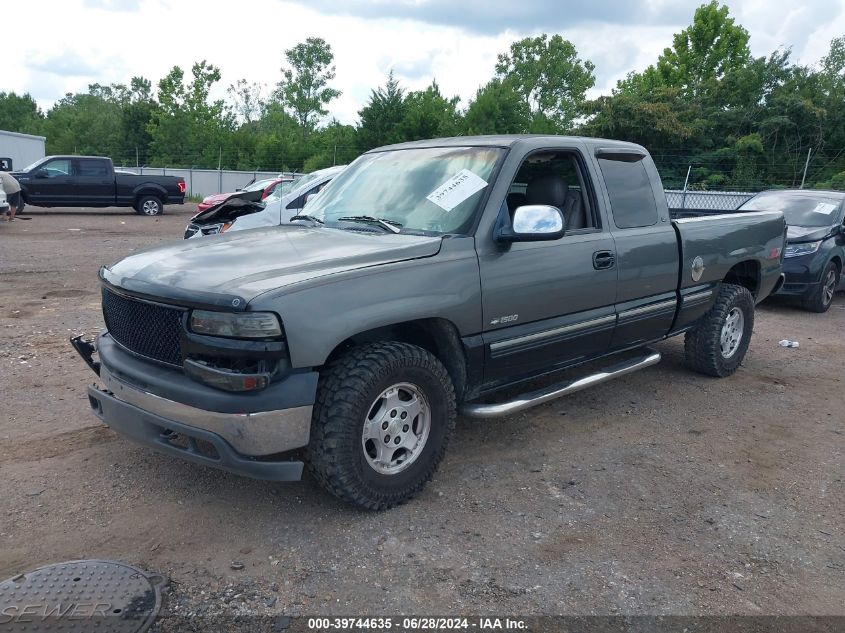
[
  {"x": 795, "y": 233},
  {"x": 248, "y": 263}
]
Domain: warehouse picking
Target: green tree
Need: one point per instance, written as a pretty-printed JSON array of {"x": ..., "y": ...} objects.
[
  {"x": 497, "y": 109},
  {"x": 428, "y": 114},
  {"x": 84, "y": 124},
  {"x": 334, "y": 144},
  {"x": 20, "y": 113},
  {"x": 279, "y": 142},
  {"x": 137, "y": 110},
  {"x": 248, "y": 100},
  {"x": 304, "y": 87},
  {"x": 188, "y": 128},
  {"x": 381, "y": 117},
  {"x": 703, "y": 54},
  {"x": 550, "y": 77}
]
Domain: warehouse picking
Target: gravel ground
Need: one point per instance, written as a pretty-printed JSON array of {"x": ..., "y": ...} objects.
[{"x": 664, "y": 492}]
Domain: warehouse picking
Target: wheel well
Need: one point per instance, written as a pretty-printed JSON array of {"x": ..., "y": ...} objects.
[
  {"x": 438, "y": 336},
  {"x": 140, "y": 195},
  {"x": 835, "y": 259},
  {"x": 746, "y": 274}
]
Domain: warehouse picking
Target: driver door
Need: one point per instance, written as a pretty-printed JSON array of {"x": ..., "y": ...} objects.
[
  {"x": 549, "y": 304},
  {"x": 52, "y": 183}
]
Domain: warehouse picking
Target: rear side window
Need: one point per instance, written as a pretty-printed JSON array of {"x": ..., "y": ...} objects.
[
  {"x": 92, "y": 168},
  {"x": 631, "y": 198}
]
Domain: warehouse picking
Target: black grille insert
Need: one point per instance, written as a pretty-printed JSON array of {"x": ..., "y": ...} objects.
[{"x": 147, "y": 329}]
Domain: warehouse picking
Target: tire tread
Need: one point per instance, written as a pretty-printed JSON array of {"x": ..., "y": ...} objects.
[
  {"x": 330, "y": 452},
  {"x": 701, "y": 344}
]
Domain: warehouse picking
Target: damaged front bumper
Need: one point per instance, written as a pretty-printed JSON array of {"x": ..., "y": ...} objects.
[{"x": 237, "y": 432}]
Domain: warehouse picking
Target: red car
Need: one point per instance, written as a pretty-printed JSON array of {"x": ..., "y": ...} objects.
[{"x": 268, "y": 185}]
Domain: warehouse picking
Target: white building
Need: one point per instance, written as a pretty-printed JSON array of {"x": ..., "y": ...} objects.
[{"x": 23, "y": 149}]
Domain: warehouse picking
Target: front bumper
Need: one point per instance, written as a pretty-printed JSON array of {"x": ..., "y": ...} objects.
[
  {"x": 793, "y": 289},
  {"x": 181, "y": 440},
  {"x": 802, "y": 276},
  {"x": 238, "y": 435}
]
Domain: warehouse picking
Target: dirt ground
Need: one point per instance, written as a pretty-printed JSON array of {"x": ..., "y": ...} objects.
[{"x": 664, "y": 492}]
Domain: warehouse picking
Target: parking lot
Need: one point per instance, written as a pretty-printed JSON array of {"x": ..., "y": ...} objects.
[{"x": 665, "y": 492}]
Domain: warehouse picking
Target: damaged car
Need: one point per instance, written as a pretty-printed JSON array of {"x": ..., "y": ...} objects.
[{"x": 250, "y": 209}]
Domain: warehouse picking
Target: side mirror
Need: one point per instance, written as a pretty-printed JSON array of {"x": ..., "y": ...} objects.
[
  {"x": 533, "y": 223},
  {"x": 41, "y": 173}
]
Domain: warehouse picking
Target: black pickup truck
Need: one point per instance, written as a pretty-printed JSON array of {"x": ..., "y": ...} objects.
[{"x": 91, "y": 181}]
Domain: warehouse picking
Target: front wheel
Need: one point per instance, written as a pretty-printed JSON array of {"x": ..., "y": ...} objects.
[
  {"x": 717, "y": 345},
  {"x": 381, "y": 423},
  {"x": 822, "y": 296},
  {"x": 149, "y": 205}
]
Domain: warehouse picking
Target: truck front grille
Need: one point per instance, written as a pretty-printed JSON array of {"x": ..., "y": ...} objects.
[{"x": 147, "y": 329}]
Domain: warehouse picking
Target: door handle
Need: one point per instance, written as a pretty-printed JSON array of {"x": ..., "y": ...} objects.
[{"x": 603, "y": 260}]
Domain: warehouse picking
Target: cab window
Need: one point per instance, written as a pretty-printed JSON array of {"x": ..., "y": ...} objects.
[
  {"x": 55, "y": 168},
  {"x": 554, "y": 178},
  {"x": 631, "y": 197}
]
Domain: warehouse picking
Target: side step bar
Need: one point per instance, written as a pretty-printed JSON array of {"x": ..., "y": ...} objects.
[{"x": 534, "y": 398}]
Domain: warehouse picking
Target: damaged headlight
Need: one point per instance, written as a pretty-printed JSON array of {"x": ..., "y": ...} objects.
[
  {"x": 214, "y": 229},
  {"x": 236, "y": 325}
]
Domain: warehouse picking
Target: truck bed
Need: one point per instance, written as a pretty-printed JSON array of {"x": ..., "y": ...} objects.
[{"x": 711, "y": 245}]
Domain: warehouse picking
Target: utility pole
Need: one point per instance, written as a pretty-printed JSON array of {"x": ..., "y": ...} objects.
[
  {"x": 334, "y": 160},
  {"x": 136, "y": 158},
  {"x": 806, "y": 164}
]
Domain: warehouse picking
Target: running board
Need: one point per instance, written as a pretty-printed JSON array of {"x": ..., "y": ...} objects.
[{"x": 534, "y": 398}]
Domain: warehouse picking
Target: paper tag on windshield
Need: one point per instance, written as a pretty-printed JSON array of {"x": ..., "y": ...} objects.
[
  {"x": 457, "y": 189},
  {"x": 824, "y": 207}
]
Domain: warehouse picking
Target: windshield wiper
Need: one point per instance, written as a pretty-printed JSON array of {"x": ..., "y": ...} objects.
[
  {"x": 303, "y": 216},
  {"x": 390, "y": 225}
]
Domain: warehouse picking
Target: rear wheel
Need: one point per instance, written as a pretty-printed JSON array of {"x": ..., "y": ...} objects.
[
  {"x": 717, "y": 345},
  {"x": 149, "y": 205},
  {"x": 822, "y": 296},
  {"x": 381, "y": 424}
]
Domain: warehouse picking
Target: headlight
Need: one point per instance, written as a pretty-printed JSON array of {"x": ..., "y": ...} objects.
[
  {"x": 794, "y": 250},
  {"x": 214, "y": 229},
  {"x": 236, "y": 325}
]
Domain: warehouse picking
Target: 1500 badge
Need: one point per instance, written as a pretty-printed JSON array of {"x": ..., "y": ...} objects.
[{"x": 505, "y": 319}]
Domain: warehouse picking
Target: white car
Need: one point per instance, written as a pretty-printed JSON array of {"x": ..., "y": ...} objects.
[{"x": 245, "y": 210}]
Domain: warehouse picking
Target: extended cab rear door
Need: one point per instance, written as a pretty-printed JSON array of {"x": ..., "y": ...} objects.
[
  {"x": 551, "y": 303},
  {"x": 646, "y": 245}
]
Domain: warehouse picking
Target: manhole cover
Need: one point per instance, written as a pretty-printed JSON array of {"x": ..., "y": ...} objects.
[{"x": 82, "y": 595}]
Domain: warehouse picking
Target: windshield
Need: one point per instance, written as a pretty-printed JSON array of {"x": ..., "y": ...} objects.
[
  {"x": 304, "y": 180},
  {"x": 433, "y": 189},
  {"x": 799, "y": 209},
  {"x": 259, "y": 185},
  {"x": 34, "y": 165},
  {"x": 282, "y": 189}
]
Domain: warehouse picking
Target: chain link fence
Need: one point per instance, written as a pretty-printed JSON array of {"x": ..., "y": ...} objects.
[{"x": 705, "y": 202}]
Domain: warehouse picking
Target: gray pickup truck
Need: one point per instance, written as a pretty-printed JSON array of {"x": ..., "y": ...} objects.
[{"x": 423, "y": 280}]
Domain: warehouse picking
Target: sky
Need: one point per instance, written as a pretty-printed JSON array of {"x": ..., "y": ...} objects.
[{"x": 73, "y": 43}]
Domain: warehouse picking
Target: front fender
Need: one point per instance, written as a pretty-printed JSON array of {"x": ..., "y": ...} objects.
[{"x": 319, "y": 315}]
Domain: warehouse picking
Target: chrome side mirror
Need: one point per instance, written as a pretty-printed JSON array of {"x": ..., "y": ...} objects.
[{"x": 533, "y": 223}]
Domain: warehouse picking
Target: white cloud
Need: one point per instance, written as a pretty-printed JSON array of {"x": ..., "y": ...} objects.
[{"x": 78, "y": 42}]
